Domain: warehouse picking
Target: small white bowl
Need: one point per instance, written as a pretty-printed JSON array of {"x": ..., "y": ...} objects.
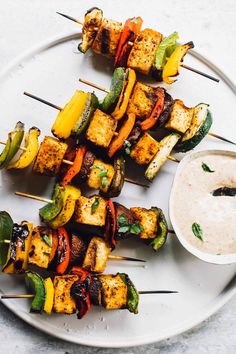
[{"x": 207, "y": 257}]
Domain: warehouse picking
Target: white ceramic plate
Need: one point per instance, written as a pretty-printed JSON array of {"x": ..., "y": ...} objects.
[{"x": 52, "y": 71}]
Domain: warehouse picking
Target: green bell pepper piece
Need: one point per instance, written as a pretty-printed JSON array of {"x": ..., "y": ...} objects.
[
  {"x": 83, "y": 121},
  {"x": 165, "y": 49},
  {"x": 35, "y": 284},
  {"x": 162, "y": 232},
  {"x": 132, "y": 294},
  {"x": 12, "y": 146},
  {"x": 6, "y": 227},
  {"x": 51, "y": 210},
  {"x": 112, "y": 97}
]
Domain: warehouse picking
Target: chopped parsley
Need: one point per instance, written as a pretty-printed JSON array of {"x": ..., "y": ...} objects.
[
  {"x": 197, "y": 230},
  {"x": 102, "y": 174},
  {"x": 47, "y": 240},
  {"x": 95, "y": 205},
  {"x": 206, "y": 168}
]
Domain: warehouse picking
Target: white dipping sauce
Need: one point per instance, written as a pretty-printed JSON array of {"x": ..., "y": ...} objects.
[{"x": 193, "y": 203}]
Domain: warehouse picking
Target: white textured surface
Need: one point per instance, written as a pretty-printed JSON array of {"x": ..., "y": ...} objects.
[{"x": 212, "y": 27}]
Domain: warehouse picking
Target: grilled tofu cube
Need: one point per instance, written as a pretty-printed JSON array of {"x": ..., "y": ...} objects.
[
  {"x": 84, "y": 213},
  {"x": 63, "y": 301},
  {"x": 96, "y": 255},
  {"x": 142, "y": 101},
  {"x": 145, "y": 149},
  {"x": 180, "y": 118},
  {"x": 50, "y": 155},
  {"x": 148, "y": 219},
  {"x": 95, "y": 179},
  {"x": 114, "y": 292},
  {"x": 143, "y": 51},
  {"x": 40, "y": 249},
  {"x": 101, "y": 129},
  {"x": 107, "y": 38}
]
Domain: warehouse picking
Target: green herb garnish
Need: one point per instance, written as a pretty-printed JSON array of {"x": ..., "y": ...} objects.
[
  {"x": 125, "y": 226},
  {"x": 47, "y": 240},
  {"x": 196, "y": 228},
  {"x": 95, "y": 205},
  {"x": 102, "y": 174},
  {"x": 127, "y": 146},
  {"x": 206, "y": 168}
]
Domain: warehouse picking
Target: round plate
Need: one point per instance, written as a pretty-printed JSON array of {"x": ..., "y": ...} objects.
[{"x": 51, "y": 71}]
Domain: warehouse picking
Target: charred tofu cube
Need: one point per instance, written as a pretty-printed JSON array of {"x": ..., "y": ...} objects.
[
  {"x": 142, "y": 53},
  {"x": 100, "y": 176},
  {"x": 101, "y": 129},
  {"x": 148, "y": 219},
  {"x": 84, "y": 213},
  {"x": 145, "y": 149},
  {"x": 114, "y": 292},
  {"x": 107, "y": 38},
  {"x": 41, "y": 247},
  {"x": 96, "y": 255},
  {"x": 180, "y": 118},
  {"x": 63, "y": 301},
  {"x": 142, "y": 101},
  {"x": 50, "y": 156}
]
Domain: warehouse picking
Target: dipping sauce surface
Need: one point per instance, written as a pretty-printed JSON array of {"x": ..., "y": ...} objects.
[{"x": 193, "y": 202}]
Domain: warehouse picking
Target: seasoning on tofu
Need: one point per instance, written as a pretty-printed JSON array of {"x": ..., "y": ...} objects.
[
  {"x": 142, "y": 54},
  {"x": 114, "y": 292},
  {"x": 107, "y": 38},
  {"x": 85, "y": 215},
  {"x": 96, "y": 256},
  {"x": 92, "y": 22},
  {"x": 101, "y": 129},
  {"x": 148, "y": 219},
  {"x": 142, "y": 101},
  {"x": 180, "y": 118},
  {"x": 145, "y": 149},
  {"x": 41, "y": 247},
  {"x": 63, "y": 301},
  {"x": 50, "y": 155},
  {"x": 101, "y": 175}
]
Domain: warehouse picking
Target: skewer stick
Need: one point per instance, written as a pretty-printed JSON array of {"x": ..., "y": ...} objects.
[
  {"x": 123, "y": 258},
  {"x": 31, "y": 196},
  {"x": 24, "y": 149},
  {"x": 30, "y": 296},
  {"x": 89, "y": 83},
  {"x": 131, "y": 44},
  {"x": 60, "y": 109}
]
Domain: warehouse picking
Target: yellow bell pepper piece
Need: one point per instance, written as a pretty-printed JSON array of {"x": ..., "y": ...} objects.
[
  {"x": 21, "y": 254},
  {"x": 69, "y": 200},
  {"x": 173, "y": 62},
  {"x": 69, "y": 115},
  {"x": 31, "y": 150},
  {"x": 48, "y": 305},
  {"x": 125, "y": 95}
]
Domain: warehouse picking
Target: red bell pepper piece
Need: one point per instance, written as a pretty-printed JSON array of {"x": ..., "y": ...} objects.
[
  {"x": 63, "y": 251},
  {"x": 123, "y": 134},
  {"x": 80, "y": 290},
  {"x": 156, "y": 112},
  {"x": 110, "y": 231},
  {"x": 131, "y": 27},
  {"x": 76, "y": 167}
]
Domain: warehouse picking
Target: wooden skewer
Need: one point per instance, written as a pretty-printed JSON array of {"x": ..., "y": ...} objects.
[
  {"x": 30, "y": 296},
  {"x": 131, "y": 44},
  {"x": 67, "y": 161},
  {"x": 35, "y": 197},
  {"x": 60, "y": 109},
  {"x": 24, "y": 149},
  {"x": 89, "y": 83}
]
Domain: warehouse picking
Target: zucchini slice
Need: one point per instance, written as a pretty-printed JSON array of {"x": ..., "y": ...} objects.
[
  {"x": 200, "y": 126},
  {"x": 166, "y": 145},
  {"x": 132, "y": 294},
  {"x": 118, "y": 179},
  {"x": 35, "y": 284}
]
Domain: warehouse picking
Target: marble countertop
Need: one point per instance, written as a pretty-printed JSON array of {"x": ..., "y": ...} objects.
[{"x": 211, "y": 25}]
